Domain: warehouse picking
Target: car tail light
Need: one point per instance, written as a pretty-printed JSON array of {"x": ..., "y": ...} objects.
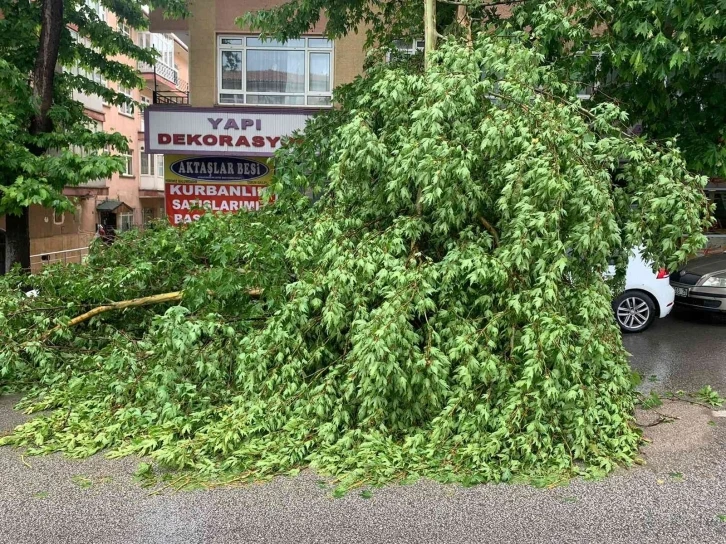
[{"x": 662, "y": 274}]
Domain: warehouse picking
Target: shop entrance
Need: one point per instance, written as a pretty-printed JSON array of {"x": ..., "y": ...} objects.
[{"x": 114, "y": 215}]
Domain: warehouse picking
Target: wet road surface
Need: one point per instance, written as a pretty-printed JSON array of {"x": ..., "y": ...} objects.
[{"x": 684, "y": 351}]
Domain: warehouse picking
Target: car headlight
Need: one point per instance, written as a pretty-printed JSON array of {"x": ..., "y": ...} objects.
[{"x": 718, "y": 280}]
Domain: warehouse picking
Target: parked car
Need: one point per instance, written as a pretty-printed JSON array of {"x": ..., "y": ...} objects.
[
  {"x": 647, "y": 295},
  {"x": 702, "y": 283}
]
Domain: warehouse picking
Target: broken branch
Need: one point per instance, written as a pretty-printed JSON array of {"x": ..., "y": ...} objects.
[{"x": 174, "y": 296}]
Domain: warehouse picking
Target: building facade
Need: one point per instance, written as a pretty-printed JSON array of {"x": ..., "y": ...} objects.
[
  {"x": 238, "y": 79},
  {"x": 134, "y": 197},
  {"x": 245, "y": 96}
]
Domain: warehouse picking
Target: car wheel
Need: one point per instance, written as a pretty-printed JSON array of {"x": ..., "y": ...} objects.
[{"x": 634, "y": 311}]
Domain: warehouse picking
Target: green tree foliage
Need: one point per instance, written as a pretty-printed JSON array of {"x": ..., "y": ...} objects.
[
  {"x": 439, "y": 310},
  {"x": 664, "y": 61},
  {"x": 47, "y": 142}
]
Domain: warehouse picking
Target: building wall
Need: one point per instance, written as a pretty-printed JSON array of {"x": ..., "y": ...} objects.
[
  {"x": 209, "y": 19},
  {"x": 202, "y": 49}
]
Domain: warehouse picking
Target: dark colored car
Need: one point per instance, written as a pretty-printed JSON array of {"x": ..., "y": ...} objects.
[{"x": 701, "y": 284}]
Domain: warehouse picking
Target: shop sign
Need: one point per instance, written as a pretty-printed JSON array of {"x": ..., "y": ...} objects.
[
  {"x": 219, "y": 131},
  {"x": 195, "y": 185}
]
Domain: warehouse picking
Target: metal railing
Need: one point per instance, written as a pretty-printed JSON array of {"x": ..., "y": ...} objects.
[
  {"x": 65, "y": 256},
  {"x": 171, "y": 98},
  {"x": 162, "y": 70}
]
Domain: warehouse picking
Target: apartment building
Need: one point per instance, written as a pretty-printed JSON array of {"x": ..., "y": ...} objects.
[
  {"x": 135, "y": 196},
  {"x": 245, "y": 96}
]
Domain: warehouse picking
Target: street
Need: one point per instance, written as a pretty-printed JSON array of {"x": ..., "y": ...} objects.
[
  {"x": 684, "y": 351},
  {"x": 678, "y": 495}
]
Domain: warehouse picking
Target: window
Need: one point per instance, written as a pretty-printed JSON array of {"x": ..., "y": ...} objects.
[
  {"x": 590, "y": 88},
  {"x": 128, "y": 170},
  {"x": 124, "y": 29},
  {"x": 718, "y": 198},
  {"x": 127, "y": 108},
  {"x": 76, "y": 68},
  {"x": 145, "y": 102},
  {"x": 152, "y": 165},
  {"x": 126, "y": 221},
  {"x": 295, "y": 73},
  {"x": 147, "y": 164},
  {"x": 409, "y": 47},
  {"x": 163, "y": 43},
  {"x": 97, "y": 8},
  {"x": 59, "y": 218}
]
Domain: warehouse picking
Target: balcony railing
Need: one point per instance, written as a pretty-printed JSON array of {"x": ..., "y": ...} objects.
[
  {"x": 171, "y": 98},
  {"x": 151, "y": 183},
  {"x": 162, "y": 70},
  {"x": 66, "y": 256}
]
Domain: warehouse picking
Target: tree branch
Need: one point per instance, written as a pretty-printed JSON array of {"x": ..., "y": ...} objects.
[
  {"x": 491, "y": 230},
  {"x": 174, "y": 296}
]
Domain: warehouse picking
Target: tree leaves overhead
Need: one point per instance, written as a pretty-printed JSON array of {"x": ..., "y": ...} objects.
[
  {"x": 34, "y": 168},
  {"x": 439, "y": 310},
  {"x": 664, "y": 61}
]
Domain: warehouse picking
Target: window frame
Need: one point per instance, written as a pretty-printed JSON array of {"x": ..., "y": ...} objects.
[
  {"x": 145, "y": 102},
  {"x": 412, "y": 46},
  {"x": 244, "y": 48},
  {"x": 129, "y": 110},
  {"x": 588, "y": 90},
  {"x": 98, "y": 8},
  {"x": 149, "y": 160},
  {"x": 129, "y": 172},
  {"x": 124, "y": 28},
  {"x": 131, "y": 223},
  {"x": 147, "y": 217}
]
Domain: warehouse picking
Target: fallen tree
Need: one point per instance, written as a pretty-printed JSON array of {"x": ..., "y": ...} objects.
[{"x": 440, "y": 310}]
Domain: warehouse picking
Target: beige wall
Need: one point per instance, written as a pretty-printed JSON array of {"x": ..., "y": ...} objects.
[
  {"x": 55, "y": 232},
  {"x": 208, "y": 19},
  {"x": 202, "y": 53},
  {"x": 349, "y": 57},
  {"x": 229, "y": 10}
]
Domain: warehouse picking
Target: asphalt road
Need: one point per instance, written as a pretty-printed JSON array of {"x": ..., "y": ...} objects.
[
  {"x": 678, "y": 496},
  {"x": 684, "y": 351}
]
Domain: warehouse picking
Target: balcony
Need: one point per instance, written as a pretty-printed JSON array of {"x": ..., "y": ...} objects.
[
  {"x": 162, "y": 77},
  {"x": 163, "y": 74}
]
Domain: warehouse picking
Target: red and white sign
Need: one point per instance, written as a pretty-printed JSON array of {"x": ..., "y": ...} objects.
[
  {"x": 187, "y": 202},
  {"x": 221, "y": 131}
]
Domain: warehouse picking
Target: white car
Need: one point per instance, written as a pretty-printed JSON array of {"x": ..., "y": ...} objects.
[{"x": 647, "y": 294}]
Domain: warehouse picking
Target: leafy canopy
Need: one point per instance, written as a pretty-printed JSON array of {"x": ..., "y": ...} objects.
[
  {"x": 664, "y": 61},
  {"x": 439, "y": 310},
  {"x": 36, "y": 166}
]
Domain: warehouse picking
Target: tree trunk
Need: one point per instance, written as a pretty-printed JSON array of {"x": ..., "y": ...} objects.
[
  {"x": 17, "y": 240},
  {"x": 51, "y": 27},
  {"x": 46, "y": 61},
  {"x": 462, "y": 17},
  {"x": 429, "y": 29}
]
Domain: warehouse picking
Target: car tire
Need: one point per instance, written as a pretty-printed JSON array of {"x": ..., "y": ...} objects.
[{"x": 634, "y": 311}]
